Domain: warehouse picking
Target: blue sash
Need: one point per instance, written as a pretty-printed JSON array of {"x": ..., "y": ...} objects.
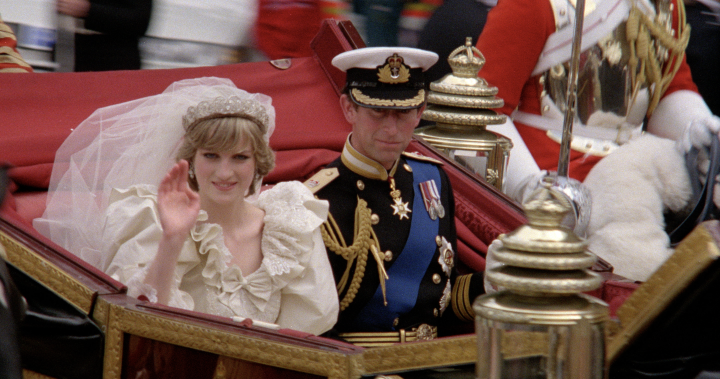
[{"x": 410, "y": 267}]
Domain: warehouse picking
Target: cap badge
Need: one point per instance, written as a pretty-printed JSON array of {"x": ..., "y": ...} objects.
[{"x": 394, "y": 71}]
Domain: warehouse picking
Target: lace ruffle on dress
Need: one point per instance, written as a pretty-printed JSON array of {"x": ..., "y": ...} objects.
[{"x": 294, "y": 276}]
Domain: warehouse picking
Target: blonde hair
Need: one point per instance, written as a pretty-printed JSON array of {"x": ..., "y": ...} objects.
[{"x": 221, "y": 134}]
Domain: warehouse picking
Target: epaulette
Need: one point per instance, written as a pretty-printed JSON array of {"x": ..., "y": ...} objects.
[
  {"x": 420, "y": 157},
  {"x": 321, "y": 179}
]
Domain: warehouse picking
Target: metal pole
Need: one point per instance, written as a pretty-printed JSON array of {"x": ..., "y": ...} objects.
[{"x": 571, "y": 97}]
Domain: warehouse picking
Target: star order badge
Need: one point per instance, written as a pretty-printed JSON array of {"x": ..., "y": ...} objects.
[{"x": 401, "y": 209}]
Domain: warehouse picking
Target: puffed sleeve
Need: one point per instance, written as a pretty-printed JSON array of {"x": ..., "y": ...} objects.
[
  {"x": 298, "y": 262},
  {"x": 131, "y": 234}
]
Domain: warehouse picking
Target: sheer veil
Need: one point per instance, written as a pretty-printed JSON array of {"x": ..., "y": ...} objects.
[{"x": 117, "y": 147}]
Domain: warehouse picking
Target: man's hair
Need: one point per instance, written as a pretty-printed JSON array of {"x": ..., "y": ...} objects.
[{"x": 223, "y": 134}]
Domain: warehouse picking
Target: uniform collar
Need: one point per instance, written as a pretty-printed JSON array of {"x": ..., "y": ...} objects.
[{"x": 364, "y": 166}]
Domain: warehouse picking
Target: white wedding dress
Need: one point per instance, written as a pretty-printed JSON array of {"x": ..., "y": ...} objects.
[
  {"x": 291, "y": 287},
  {"x": 102, "y": 207}
]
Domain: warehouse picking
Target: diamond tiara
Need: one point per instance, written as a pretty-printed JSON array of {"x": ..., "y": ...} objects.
[{"x": 226, "y": 107}]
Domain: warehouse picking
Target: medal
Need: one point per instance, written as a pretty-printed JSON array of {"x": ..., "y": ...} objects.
[
  {"x": 401, "y": 209},
  {"x": 440, "y": 210},
  {"x": 431, "y": 199},
  {"x": 433, "y": 213}
]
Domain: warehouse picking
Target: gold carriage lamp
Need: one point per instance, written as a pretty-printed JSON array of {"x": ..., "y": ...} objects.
[
  {"x": 461, "y": 106},
  {"x": 540, "y": 325}
]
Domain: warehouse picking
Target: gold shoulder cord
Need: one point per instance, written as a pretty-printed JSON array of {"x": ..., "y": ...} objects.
[
  {"x": 364, "y": 240},
  {"x": 640, "y": 31}
]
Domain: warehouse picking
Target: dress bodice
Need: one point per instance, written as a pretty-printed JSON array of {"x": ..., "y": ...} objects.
[{"x": 205, "y": 280}]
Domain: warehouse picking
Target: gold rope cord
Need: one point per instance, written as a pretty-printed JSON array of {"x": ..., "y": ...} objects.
[
  {"x": 641, "y": 32},
  {"x": 363, "y": 239}
]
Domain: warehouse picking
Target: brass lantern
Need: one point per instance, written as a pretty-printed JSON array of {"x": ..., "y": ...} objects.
[
  {"x": 461, "y": 106},
  {"x": 540, "y": 325}
]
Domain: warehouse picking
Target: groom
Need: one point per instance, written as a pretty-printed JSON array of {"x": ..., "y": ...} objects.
[{"x": 390, "y": 235}]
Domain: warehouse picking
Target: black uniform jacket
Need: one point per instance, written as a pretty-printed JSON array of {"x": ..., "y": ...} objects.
[{"x": 432, "y": 293}]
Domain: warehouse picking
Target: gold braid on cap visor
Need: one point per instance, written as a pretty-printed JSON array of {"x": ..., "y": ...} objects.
[{"x": 365, "y": 99}]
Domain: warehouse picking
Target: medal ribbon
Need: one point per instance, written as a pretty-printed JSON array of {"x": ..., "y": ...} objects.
[{"x": 430, "y": 194}]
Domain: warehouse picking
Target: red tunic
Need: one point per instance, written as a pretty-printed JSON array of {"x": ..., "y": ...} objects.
[
  {"x": 285, "y": 28},
  {"x": 512, "y": 40},
  {"x": 10, "y": 59}
]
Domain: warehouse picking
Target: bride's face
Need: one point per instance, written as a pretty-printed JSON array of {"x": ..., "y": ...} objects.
[{"x": 224, "y": 176}]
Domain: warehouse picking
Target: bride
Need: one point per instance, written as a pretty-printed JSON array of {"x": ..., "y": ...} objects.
[{"x": 161, "y": 193}]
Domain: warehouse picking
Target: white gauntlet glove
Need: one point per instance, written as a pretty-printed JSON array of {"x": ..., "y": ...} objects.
[
  {"x": 684, "y": 117},
  {"x": 699, "y": 133},
  {"x": 491, "y": 263}
]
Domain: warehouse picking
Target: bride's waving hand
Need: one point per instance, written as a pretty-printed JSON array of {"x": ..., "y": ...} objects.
[
  {"x": 178, "y": 207},
  {"x": 177, "y": 203}
]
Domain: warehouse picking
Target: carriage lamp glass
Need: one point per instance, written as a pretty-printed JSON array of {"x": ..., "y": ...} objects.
[
  {"x": 540, "y": 324},
  {"x": 461, "y": 106}
]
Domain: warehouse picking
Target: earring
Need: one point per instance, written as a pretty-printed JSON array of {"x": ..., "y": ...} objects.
[{"x": 191, "y": 171}]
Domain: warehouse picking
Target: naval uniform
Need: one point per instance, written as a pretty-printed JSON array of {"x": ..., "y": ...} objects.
[{"x": 414, "y": 243}]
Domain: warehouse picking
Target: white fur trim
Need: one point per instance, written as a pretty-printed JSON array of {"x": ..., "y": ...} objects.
[{"x": 630, "y": 190}]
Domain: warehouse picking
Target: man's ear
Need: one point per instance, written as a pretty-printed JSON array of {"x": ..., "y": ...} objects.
[{"x": 348, "y": 108}]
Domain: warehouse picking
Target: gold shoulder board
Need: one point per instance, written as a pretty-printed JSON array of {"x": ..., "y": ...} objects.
[
  {"x": 420, "y": 157},
  {"x": 321, "y": 179}
]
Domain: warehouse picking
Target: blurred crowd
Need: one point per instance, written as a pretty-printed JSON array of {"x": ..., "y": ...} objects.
[{"x": 98, "y": 35}]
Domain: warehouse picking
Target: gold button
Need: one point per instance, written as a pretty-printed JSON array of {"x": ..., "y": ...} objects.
[
  {"x": 396, "y": 322},
  {"x": 436, "y": 278},
  {"x": 388, "y": 256},
  {"x": 436, "y": 312},
  {"x": 546, "y": 108},
  {"x": 374, "y": 219},
  {"x": 407, "y": 167},
  {"x": 360, "y": 185},
  {"x": 438, "y": 240}
]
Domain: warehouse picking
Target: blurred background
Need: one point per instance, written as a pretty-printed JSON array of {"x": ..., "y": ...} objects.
[{"x": 190, "y": 33}]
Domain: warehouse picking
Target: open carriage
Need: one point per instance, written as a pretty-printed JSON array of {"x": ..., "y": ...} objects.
[{"x": 140, "y": 339}]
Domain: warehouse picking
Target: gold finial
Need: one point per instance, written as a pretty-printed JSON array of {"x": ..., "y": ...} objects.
[
  {"x": 465, "y": 91},
  {"x": 466, "y": 61},
  {"x": 462, "y": 104},
  {"x": 546, "y": 207},
  {"x": 544, "y": 256},
  {"x": 544, "y": 233}
]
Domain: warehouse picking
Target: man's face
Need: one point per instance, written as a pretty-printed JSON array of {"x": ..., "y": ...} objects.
[{"x": 378, "y": 133}]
